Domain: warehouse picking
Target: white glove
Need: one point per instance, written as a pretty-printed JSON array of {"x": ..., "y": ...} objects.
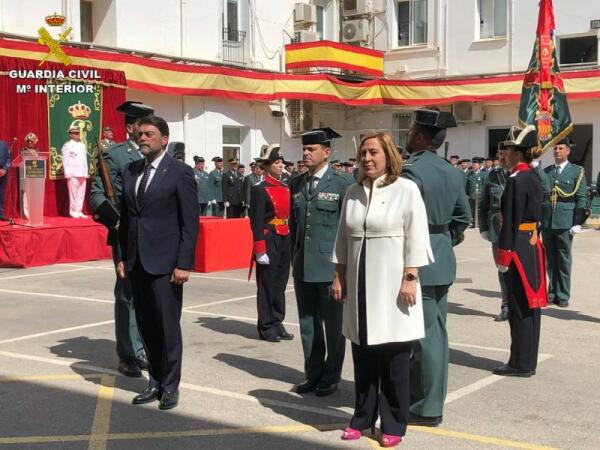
[
  {"x": 575, "y": 229},
  {"x": 502, "y": 269},
  {"x": 213, "y": 202},
  {"x": 535, "y": 163},
  {"x": 226, "y": 204},
  {"x": 485, "y": 235},
  {"x": 262, "y": 258}
]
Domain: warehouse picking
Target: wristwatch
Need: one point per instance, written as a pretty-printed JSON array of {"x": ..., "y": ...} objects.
[{"x": 410, "y": 276}]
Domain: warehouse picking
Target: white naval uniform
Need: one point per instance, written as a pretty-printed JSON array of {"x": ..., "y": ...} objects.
[{"x": 74, "y": 159}]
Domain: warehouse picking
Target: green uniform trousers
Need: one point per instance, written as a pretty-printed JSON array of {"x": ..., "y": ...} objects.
[
  {"x": 429, "y": 365},
  {"x": 323, "y": 349},
  {"x": 558, "y": 256},
  {"x": 129, "y": 342}
]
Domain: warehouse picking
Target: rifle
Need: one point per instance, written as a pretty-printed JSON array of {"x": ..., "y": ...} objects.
[{"x": 108, "y": 212}]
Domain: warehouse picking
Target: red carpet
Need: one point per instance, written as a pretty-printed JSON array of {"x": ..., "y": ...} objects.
[{"x": 59, "y": 240}]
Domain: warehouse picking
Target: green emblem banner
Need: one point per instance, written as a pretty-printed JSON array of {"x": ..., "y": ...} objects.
[
  {"x": 543, "y": 98},
  {"x": 82, "y": 110}
]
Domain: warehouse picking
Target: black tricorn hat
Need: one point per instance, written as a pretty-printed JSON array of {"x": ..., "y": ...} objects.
[
  {"x": 527, "y": 138},
  {"x": 270, "y": 154},
  {"x": 217, "y": 159},
  {"x": 477, "y": 159},
  {"x": 321, "y": 136},
  {"x": 454, "y": 156},
  {"x": 434, "y": 119},
  {"x": 198, "y": 159},
  {"x": 135, "y": 110},
  {"x": 566, "y": 141}
]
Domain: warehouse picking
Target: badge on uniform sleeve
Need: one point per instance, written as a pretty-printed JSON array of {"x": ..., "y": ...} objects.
[{"x": 328, "y": 196}]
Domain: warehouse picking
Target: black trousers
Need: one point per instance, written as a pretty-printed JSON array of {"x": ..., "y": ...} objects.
[
  {"x": 202, "y": 207},
  {"x": 2, "y": 190},
  {"x": 381, "y": 385},
  {"x": 158, "y": 305},
  {"x": 271, "y": 281},
  {"x": 235, "y": 211},
  {"x": 524, "y": 324}
]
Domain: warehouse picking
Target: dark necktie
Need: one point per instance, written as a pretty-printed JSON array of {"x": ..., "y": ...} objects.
[
  {"x": 312, "y": 184},
  {"x": 143, "y": 183}
]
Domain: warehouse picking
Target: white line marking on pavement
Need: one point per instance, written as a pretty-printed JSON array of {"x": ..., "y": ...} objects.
[
  {"x": 58, "y": 296},
  {"x": 480, "y": 384},
  {"x": 220, "y": 302},
  {"x": 27, "y": 275},
  {"x": 111, "y": 267},
  {"x": 61, "y": 330},
  {"x": 496, "y": 349}
]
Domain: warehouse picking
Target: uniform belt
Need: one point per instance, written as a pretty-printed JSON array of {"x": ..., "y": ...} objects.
[
  {"x": 565, "y": 199},
  {"x": 528, "y": 226},
  {"x": 277, "y": 221},
  {"x": 438, "y": 229}
]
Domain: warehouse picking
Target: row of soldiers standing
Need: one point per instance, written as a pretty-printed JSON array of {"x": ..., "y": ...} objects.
[{"x": 564, "y": 211}]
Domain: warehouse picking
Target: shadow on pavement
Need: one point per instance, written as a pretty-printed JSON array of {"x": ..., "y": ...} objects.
[
  {"x": 460, "y": 358},
  {"x": 455, "y": 308},
  {"x": 229, "y": 326},
  {"x": 567, "y": 314},
  {"x": 485, "y": 293}
]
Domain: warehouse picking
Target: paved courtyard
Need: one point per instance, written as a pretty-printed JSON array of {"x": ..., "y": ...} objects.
[{"x": 59, "y": 388}]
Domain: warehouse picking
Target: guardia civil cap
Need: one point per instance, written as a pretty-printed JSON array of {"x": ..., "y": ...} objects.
[
  {"x": 217, "y": 159},
  {"x": 321, "y": 136},
  {"x": 135, "y": 110},
  {"x": 566, "y": 141},
  {"x": 434, "y": 119}
]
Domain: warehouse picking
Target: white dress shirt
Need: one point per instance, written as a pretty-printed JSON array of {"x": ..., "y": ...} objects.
[
  {"x": 154, "y": 165},
  {"x": 317, "y": 176}
]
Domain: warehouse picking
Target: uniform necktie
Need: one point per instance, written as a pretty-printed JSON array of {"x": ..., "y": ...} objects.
[
  {"x": 313, "y": 181},
  {"x": 143, "y": 183}
]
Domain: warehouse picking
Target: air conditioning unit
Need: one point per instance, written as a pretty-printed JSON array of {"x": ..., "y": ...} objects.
[
  {"x": 355, "y": 31},
  {"x": 305, "y": 13},
  {"x": 303, "y": 116},
  {"x": 465, "y": 112},
  {"x": 305, "y": 36},
  {"x": 357, "y": 7}
]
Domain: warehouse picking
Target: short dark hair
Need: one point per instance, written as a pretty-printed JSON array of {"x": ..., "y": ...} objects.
[
  {"x": 157, "y": 122},
  {"x": 437, "y": 136}
]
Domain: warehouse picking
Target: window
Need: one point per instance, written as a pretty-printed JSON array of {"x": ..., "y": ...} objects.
[
  {"x": 412, "y": 22},
  {"x": 320, "y": 22},
  {"x": 492, "y": 18},
  {"x": 232, "y": 144},
  {"x": 401, "y": 125},
  {"x": 580, "y": 51},
  {"x": 232, "y": 24},
  {"x": 86, "y": 24}
]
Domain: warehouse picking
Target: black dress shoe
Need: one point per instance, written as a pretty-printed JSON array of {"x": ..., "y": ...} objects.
[
  {"x": 142, "y": 362},
  {"x": 269, "y": 338},
  {"x": 305, "y": 387},
  {"x": 169, "y": 400},
  {"x": 501, "y": 317},
  {"x": 149, "y": 395},
  {"x": 286, "y": 336},
  {"x": 563, "y": 303},
  {"x": 130, "y": 369},
  {"x": 424, "y": 421},
  {"x": 508, "y": 371},
  {"x": 323, "y": 390}
]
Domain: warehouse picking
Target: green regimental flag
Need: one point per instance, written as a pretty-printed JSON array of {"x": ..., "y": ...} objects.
[
  {"x": 83, "y": 110},
  {"x": 543, "y": 98}
]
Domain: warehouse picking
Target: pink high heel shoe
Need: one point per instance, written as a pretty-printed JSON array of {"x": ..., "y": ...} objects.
[
  {"x": 352, "y": 434},
  {"x": 389, "y": 440}
]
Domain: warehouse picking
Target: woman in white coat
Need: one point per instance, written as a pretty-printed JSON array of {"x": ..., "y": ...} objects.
[{"x": 382, "y": 240}]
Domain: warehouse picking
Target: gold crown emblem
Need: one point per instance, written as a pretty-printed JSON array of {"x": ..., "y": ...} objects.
[
  {"x": 55, "y": 20},
  {"x": 80, "y": 111}
]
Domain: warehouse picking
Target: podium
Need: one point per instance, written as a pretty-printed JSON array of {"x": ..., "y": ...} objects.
[{"x": 32, "y": 178}]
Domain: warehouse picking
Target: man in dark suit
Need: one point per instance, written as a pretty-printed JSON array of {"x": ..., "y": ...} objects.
[
  {"x": 233, "y": 195},
  {"x": 4, "y": 166},
  {"x": 159, "y": 225}
]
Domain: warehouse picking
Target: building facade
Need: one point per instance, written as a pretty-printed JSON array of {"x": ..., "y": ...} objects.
[{"x": 421, "y": 39}]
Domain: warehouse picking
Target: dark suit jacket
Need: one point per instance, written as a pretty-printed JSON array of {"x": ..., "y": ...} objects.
[
  {"x": 4, "y": 156},
  {"x": 163, "y": 229},
  {"x": 232, "y": 188}
]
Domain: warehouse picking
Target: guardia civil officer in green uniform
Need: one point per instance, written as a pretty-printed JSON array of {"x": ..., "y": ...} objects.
[
  {"x": 201, "y": 177},
  {"x": 474, "y": 187},
  {"x": 563, "y": 216},
  {"x": 215, "y": 184},
  {"x": 448, "y": 215},
  {"x": 490, "y": 218},
  {"x": 130, "y": 350},
  {"x": 317, "y": 197}
]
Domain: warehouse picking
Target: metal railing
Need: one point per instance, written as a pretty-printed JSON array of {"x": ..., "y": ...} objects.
[{"x": 234, "y": 47}]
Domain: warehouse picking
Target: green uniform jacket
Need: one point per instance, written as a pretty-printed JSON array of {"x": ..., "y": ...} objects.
[
  {"x": 474, "y": 183},
  {"x": 567, "y": 213},
  {"x": 489, "y": 208},
  {"x": 201, "y": 177},
  {"x": 215, "y": 183},
  {"x": 313, "y": 225},
  {"x": 117, "y": 158},
  {"x": 443, "y": 192}
]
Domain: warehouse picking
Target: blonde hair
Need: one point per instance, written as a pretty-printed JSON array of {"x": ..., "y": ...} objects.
[{"x": 394, "y": 161}]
